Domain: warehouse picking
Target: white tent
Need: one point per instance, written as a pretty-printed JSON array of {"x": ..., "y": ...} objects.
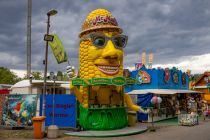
[
  {"x": 161, "y": 91},
  {"x": 36, "y": 86}
]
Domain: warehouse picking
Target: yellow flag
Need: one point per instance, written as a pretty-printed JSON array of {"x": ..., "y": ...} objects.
[{"x": 58, "y": 49}]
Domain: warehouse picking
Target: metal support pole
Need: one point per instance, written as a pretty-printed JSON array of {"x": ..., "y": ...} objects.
[
  {"x": 53, "y": 119},
  {"x": 152, "y": 127},
  {"x": 45, "y": 70},
  {"x": 29, "y": 38}
]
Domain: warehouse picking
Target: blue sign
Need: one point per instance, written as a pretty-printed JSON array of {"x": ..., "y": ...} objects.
[
  {"x": 64, "y": 110},
  {"x": 160, "y": 79}
]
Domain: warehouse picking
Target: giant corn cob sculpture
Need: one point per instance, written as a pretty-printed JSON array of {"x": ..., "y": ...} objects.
[{"x": 101, "y": 55}]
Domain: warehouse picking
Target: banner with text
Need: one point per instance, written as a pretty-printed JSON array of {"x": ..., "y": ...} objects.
[
  {"x": 64, "y": 110},
  {"x": 58, "y": 49}
]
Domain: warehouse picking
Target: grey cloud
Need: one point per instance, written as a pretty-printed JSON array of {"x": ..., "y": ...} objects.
[{"x": 170, "y": 29}]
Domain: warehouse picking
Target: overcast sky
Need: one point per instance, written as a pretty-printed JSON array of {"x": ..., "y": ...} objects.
[{"x": 176, "y": 31}]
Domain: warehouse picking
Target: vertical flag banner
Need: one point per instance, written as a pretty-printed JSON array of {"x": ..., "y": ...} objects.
[{"x": 58, "y": 49}]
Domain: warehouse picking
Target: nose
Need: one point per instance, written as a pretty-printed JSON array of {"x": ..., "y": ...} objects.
[{"x": 110, "y": 52}]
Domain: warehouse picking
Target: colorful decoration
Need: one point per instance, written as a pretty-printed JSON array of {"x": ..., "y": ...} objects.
[
  {"x": 138, "y": 65},
  {"x": 101, "y": 81},
  {"x": 126, "y": 73},
  {"x": 58, "y": 49},
  {"x": 159, "y": 100},
  {"x": 100, "y": 19},
  {"x": 101, "y": 60},
  {"x": 184, "y": 78},
  {"x": 151, "y": 57},
  {"x": 167, "y": 75},
  {"x": 156, "y": 100},
  {"x": 175, "y": 77},
  {"x": 207, "y": 79},
  {"x": 143, "y": 77},
  {"x": 3, "y": 100},
  {"x": 19, "y": 110}
]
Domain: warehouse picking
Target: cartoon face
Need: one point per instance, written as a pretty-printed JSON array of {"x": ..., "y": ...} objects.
[
  {"x": 126, "y": 73},
  {"x": 167, "y": 75},
  {"x": 102, "y": 53},
  {"x": 175, "y": 77},
  {"x": 143, "y": 77}
]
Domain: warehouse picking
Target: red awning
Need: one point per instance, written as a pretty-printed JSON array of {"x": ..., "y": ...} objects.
[{"x": 4, "y": 91}]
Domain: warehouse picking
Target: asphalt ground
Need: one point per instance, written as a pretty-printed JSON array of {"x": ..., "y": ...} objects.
[{"x": 163, "y": 132}]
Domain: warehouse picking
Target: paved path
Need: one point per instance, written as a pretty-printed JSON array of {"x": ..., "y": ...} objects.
[{"x": 198, "y": 132}]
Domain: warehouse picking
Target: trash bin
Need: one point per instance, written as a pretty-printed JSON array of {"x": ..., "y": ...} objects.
[
  {"x": 132, "y": 118},
  {"x": 39, "y": 126}
]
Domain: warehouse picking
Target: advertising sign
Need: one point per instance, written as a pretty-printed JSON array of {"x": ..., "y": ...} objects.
[
  {"x": 167, "y": 75},
  {"x": 118, "y": 81},
  {"x": 175, "y": 77},
  {"x": 78, "y": 82},
  {"x": 58, "y": 49},
  {"x": 183, "y": 78},
  {"x": 143, "y": 77},
  {"x": 64, "y": 110},
  {"x": 19, "y": 110}
]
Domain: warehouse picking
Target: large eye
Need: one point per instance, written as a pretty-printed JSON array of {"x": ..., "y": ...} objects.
[
  {"x": 99, "y": 41},
  {"x": 120, "y": 41}
]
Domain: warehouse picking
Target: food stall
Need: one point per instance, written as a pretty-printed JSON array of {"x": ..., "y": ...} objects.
[{"x": 169, "y": 84}]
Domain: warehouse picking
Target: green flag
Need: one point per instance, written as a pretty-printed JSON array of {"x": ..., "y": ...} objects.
[{"x": 58, "y": 49}]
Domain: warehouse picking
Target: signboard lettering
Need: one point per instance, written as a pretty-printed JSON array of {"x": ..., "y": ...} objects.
[{"x": 64, "y": 110}]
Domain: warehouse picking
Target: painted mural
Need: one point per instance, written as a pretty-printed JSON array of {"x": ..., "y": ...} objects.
[
  {"x": 167, "y": 75},
  {"x": 143, "y": 77},
  {"x": 18, "y": 110},
  {"x": 3, "y": 99},
  {"x": 158, "y": 79}
]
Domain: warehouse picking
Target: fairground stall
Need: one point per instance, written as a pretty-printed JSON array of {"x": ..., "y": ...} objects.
[
  {"x": 202, "y": 84},
  {"x": 171, "y": 85}
]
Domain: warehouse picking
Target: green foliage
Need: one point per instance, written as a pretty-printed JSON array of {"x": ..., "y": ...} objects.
[
  {"x": 8, "y": 77},
  {"x": 36, "y": 75},
  {"x": 65, "y": 77},
  {"x": 62, "y": 76},
  {"x": 59, "y": 76}
]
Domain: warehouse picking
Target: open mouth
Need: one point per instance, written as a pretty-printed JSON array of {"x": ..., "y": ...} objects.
[{"x": 108, "y": 69}]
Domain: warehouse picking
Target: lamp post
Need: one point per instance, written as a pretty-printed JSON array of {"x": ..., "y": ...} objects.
[{"x": 47, "y": 38}]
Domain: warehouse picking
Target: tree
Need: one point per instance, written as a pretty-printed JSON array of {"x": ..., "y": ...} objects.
[
  {"x": 59, "y": 75},
  {"x": 65, "y": 77},
  {"x": 36, "y": 75},
  {"x": 62, "y": 76},
  {"x": 8, "y": 77}
]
